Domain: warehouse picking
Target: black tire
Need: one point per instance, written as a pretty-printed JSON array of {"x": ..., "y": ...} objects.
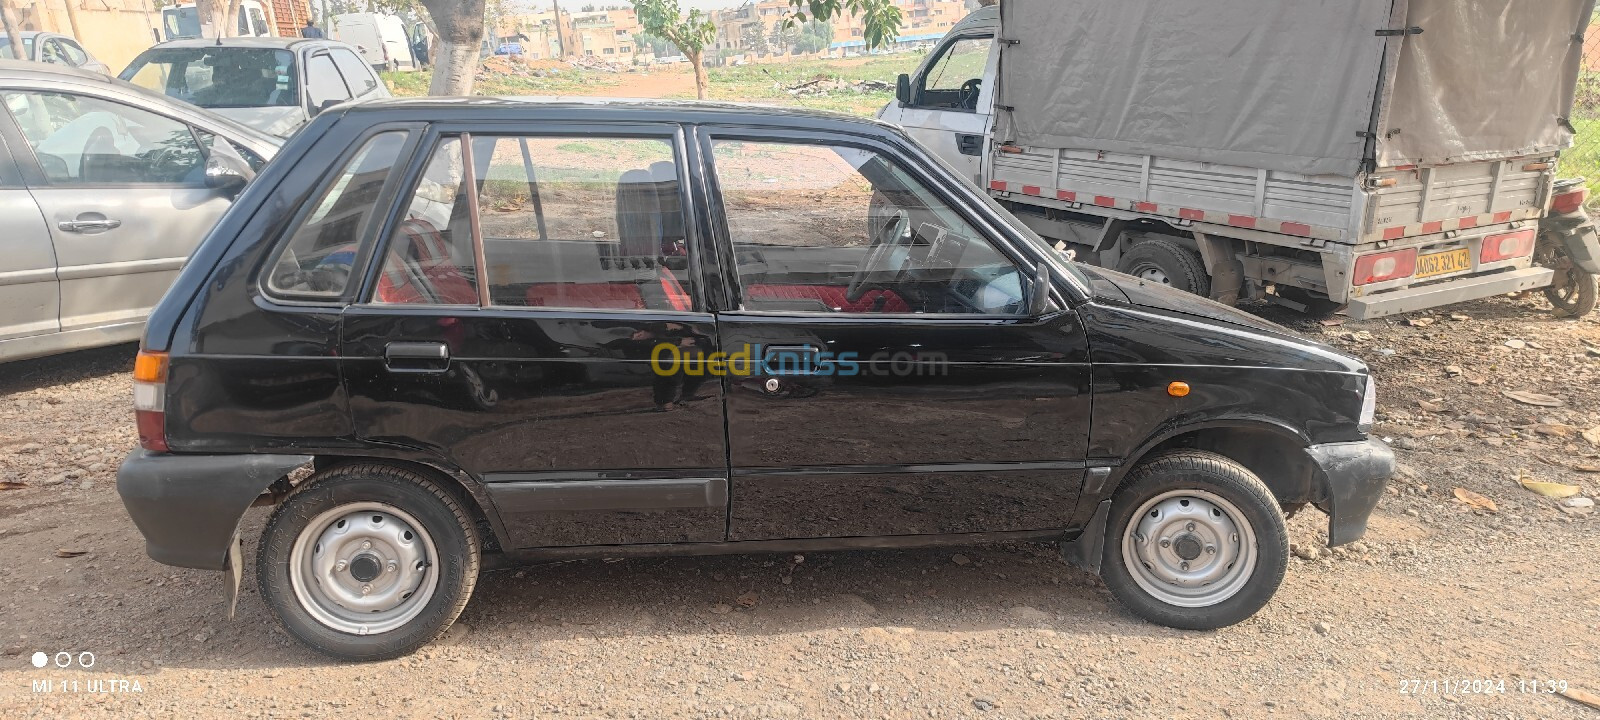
[
  {"x": 1160, "y": 260},
  {"x": 1572, "y": 291},
  {"x": 1317, "y": 306},
  {"x": 440, "y": 514},
  {"x": 1219, "y": 476}
]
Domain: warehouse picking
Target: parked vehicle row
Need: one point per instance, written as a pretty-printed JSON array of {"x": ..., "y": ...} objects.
[
  {"x": 563, "y": 330},
  {"x": 103, "y": 195},
  {"x": 51, "y": 48}
]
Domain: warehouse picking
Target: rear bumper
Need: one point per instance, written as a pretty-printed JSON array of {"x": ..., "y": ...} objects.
[
  {"x": 188, "y": 506},
  {"x": 1391, "y": 302},
  {"x": 1354, "y": 475}
]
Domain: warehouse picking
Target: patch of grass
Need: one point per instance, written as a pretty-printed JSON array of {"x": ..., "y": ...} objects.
[
  {"x": 769, "y": 83},
  {"x": 1583, "y": 158},
  {"x": 565, "y": 81}
]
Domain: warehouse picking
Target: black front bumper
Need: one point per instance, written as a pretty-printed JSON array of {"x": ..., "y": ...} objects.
[
  {"x": 188, "y": 506},
  {"x": 1353, "y": 475}
]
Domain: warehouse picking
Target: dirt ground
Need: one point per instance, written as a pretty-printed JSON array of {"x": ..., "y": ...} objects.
[{"x": 1438, "y": 593}]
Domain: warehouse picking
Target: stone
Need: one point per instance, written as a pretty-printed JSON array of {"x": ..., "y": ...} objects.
[{"x": 960, "y": 559}]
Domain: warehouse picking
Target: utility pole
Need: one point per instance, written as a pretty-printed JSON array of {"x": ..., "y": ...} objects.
[
  {"x": 72, "y": 18},
  {"x": 561, "y": 33},
  {"x": 8, "y": 11}
]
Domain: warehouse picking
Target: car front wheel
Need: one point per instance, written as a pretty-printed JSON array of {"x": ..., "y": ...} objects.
[
  {"x": 368, "y": 562},
  {"x": 1194, "y": 541}
]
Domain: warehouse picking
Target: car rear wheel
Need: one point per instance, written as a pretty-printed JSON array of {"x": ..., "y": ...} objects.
[
  {"x": 368, "y": 562},
  {"x": 1194, "y": 541}
]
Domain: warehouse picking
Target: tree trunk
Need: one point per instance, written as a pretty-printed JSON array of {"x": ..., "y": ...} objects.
[
  {"x": 8, "y": 12},
  {"x": 209, "y": 13},
  {"x": 230, "y": 26},
  {"x": 72, "y": 18},
  {"x": 701, "y": 80},
  {"x": 455, "y": 62}
]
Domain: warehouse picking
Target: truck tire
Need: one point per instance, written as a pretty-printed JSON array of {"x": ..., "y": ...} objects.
[
  {"x": 1572, "y": 291},
  {"x": 368, "y": 562},
  {"x": 1162, "y": 261},
  {"x": 1194, "y": 541}
]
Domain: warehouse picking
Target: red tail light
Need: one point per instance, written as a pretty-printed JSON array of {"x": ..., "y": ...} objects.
[
  {"x": 1569, "y": 202},
  {"x": 1506, "y": 246},
  {"x": 150, "y": 399},
  {"x": 1379, "y": 267}
]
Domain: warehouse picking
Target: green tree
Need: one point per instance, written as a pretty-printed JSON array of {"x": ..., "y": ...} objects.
[
  {"x": 755, "y": 39},
  {"x": 691, "y": 33},
  {"x": 880, "y": 18}
]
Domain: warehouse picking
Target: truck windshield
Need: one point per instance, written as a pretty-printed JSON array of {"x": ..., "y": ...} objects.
[
  {"x": 180, "y": 22},
  {"x": 219, "y": 77}
]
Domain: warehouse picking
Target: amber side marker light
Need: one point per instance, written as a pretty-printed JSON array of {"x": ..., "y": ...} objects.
[
  {"x": 150, "y": 399},
  {"x": 1177, "y": 388}
]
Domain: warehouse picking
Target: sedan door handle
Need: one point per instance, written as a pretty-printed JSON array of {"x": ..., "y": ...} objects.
[
  {"x": 88, "y": 226},
  {"x": 417, "y": 357}
]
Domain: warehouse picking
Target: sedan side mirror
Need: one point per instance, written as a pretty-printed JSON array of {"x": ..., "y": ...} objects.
[
  {"x": 226, "y": 172},
  {"x": 1039, "y": 297},
  {"x": 902, "y": 89}
]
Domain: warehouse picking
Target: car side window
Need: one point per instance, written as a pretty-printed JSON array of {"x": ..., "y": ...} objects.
[
  {"x": 840, "y": 229},
  {"x": 317, "y": 259},
  {"x": 357, "y": 73},
  {"x": 76, "y": 56},
  {"x": 955, "y": 79},
  {"x": 82, "y": 140},
  {"x": 322, "y": 81},
  {"x": 565, "y": 222},
  {"x": 51, "y": 52}
]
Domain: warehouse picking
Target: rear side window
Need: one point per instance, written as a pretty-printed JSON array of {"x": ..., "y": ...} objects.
[
  {"x": 563, "y": 222},
  {"x": 357, "y": 73},
  {"x": 322, "y": 81},
  {"x": 316, "y": 261}
]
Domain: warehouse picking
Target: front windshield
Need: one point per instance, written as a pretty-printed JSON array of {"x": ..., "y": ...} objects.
[
  {"x": 181, "y": 22},
  {"x": 5, "y": 48},
  {"x": 219, "y": 77}
]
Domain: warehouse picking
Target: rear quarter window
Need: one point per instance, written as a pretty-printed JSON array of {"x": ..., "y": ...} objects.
[{"x": 317, "y": 258}]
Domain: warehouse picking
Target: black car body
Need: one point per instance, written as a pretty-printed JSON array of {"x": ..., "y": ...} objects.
[{"x": 959, "y": 383}]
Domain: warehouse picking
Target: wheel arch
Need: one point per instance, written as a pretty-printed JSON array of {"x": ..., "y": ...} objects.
[
  {"x": 1272, "y": 451},
  {"x": 466, "y": 488}
]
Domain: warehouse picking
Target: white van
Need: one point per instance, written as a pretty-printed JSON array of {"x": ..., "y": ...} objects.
[
  {"x": 181, "y": 21},
  {"x": 381, "y": 38}
]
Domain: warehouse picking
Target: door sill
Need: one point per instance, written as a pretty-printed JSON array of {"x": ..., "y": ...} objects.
[{"x": 754, "y": 547}]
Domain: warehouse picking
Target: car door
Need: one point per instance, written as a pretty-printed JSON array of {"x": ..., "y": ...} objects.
[
  {"x": 29, "y": 294},
  {"x": 528, "y": 277},
  {"x": 896, "y": 387},
  {"x": 949, "y": 112},
  {"x": 123, "y": 192},
  {"x": 358, "y": 75}
]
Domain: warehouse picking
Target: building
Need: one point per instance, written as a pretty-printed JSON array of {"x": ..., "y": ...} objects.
[
  {"x": 603, "y": 34},
  {"x": 116, "y": 31},
  {"x": 921, "y": 21}
]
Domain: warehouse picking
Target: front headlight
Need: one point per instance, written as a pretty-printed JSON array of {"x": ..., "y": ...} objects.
[{"x": 1369, "y": 406}]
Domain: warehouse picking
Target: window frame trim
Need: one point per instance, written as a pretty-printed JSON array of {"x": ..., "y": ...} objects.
[
  {"x": 921, "y": 85},
  {"x": 364, "y": 243},
  {"x": 709, "y": 134},
  {"x": 429, "y": 141}
]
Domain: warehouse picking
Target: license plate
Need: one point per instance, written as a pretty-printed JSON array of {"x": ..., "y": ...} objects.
[{"x": 1442, "y": 263}]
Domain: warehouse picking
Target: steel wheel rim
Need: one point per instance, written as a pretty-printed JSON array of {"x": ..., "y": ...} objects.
[
  {"x": 363, "y": 568},
  {"x": 1189, "y": 548},
  {"x": 1152, "y": 274}
]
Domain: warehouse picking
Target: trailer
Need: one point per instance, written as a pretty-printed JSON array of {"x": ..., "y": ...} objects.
[{"x": 1382, "y": 156}]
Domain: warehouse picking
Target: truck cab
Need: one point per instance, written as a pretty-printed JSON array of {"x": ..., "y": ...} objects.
[{"x": 950, "y": 105}]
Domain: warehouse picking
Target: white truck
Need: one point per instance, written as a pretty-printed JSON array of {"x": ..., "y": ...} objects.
[
  {"x": 1380, "y": 155},
  {"x": 381, "y": 39},
  {"x": 182, "y": 21}
]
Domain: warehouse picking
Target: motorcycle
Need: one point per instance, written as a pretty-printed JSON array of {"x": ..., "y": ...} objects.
[{"x": 1570, "y": 245}]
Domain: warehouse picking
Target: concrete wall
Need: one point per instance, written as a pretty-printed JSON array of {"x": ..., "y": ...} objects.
[{"x": 114, "y": 31}]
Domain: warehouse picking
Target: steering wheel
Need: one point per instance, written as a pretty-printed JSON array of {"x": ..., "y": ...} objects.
[
  {"x": 969, "y": 93},
  {"x": 883, "y": 242}
]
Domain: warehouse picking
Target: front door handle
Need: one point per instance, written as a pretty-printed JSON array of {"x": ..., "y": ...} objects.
[
  {"x": 416, "y": 357},
  {"x": 89, "y": 226},
  {"x": 969, "y": 144},
  {"x": 790, "y": 359}
]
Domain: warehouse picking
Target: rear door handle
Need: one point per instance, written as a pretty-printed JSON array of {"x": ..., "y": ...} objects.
[
  {"x": 88, "y": 226},
  {"x": 416, "y": 357}
]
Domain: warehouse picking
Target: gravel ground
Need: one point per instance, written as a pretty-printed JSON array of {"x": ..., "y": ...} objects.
[{"x": 1440, "y": 591}]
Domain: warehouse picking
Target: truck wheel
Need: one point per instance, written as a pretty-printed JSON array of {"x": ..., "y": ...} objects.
[
  {"x": 368, "y": 562},
  {"x": 1572, "y": 290},
  {"x": 1162, "y": 261},
  {"x": 1194, "y": 541}
]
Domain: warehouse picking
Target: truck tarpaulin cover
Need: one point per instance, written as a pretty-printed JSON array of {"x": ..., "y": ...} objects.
[
  {"x": 1276, "y": 84},
  {"x": 1486, "y": 79},
  {"x": 1288, "y": 84}
]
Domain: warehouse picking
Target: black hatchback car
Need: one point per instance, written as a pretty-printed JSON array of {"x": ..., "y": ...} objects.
[{"x": 436, "y": 333}]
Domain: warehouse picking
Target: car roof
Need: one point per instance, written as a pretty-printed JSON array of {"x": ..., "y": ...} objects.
[
  {"x": 11, "y": 70},
  {"x": 446, "y": 109},
  {"x": 277, "y": 43}
]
